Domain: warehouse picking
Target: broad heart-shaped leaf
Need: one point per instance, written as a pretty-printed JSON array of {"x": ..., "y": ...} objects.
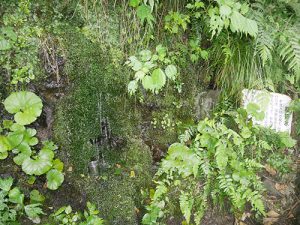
[
  {"x": 46, "y": 154},
  {"x": 6, "y": 183},
  {"x": 24, "y": 153},
  {"x": 54, "y": 179},
  {"x": 26, "y": 106},
  {"x": 15, "y": 196},
  {"x": 147, "y": 83},
  {"x": 42, "y": 162},
  {"x": 36, "y": 166},
  {"x": 171, "y": 72},
  {"x": 158, "y": 78}
]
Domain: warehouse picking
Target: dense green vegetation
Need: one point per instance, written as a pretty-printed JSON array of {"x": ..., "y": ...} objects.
[{"x": 129, "y": 111}]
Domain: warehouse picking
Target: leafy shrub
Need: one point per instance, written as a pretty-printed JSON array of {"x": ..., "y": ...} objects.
[
  {"x": 26, "y": 107},
  {"x": 222, "y": 161},
  {"x": 65, "y": 215},
  {"x": 12, "y": 204},
  {"x": 148, "y": 70}
]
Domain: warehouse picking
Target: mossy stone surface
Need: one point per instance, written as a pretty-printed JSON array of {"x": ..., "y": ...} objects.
[{"x": 97, "y": 91}]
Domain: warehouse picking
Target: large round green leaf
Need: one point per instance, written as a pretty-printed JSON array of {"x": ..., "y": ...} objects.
[
  {"x": 36, "y": 166},
  {"x": 171, "y": 72},
  {"x": 42, "y": 162},
  {"x": 158, "y": 78},
  {"x": 26, "y": 106},
  {"x": 147, "y": 83},
  {"x": 54, "y": 179}
]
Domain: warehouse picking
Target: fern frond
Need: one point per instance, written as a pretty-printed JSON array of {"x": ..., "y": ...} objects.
[
  {"x": 265, "y": 45},
  {"x": 186, "y": 204},
  {"x": 188, "y": 134},
  {"x": 289, "y": 49}
]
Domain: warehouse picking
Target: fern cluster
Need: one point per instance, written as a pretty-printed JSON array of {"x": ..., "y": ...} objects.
[
  {"x": 252, "y": 44},
  {"x": 221, "y": 160}
]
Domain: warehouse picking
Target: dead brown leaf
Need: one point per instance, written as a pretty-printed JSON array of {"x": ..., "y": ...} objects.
[
  {"x": 281, "y": 187},
  {"x": 273, "y": 214},
  {"x": 270, "y": 170},
  {"x": 269, "y": 221}
]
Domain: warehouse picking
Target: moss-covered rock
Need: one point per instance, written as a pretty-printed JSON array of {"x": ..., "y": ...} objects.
[
  {"x": 118, "y": 196},
  {"x": 98, "y": 90}
]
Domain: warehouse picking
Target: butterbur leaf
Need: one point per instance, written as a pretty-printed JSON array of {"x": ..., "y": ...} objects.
[
  {"x": 15, "y": 196},
  {"x": 26, "y": 106},
  {"x": 54, "y": 179},
  {"x": 46, "y": 154},
  {"x": 6, "y": 183},
  {"x": 37, "y": 166},
  {"x": 171, "y": 72},
  {"x": 24, "y": 153}
]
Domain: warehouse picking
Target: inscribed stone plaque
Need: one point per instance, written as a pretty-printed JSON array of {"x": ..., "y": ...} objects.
[{"x": 273, "y": 105}]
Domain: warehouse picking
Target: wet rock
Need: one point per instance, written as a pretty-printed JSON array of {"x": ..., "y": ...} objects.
[{"x": 205, "y": 102}]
